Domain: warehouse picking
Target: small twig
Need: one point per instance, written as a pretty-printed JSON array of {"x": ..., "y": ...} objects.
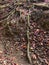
[
  {"x": 18, "y": 3},
  {"x": 3, "y": 6},
  {"x": 41, "y": 60},
  {"x": 28, "y": 44},
  {"x": 10, "y": 30}
]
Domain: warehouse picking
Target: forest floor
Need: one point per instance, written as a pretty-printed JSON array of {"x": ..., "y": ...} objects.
[
  {"x": 15, "y": 57},
  {"x": 14, "y": 40}
]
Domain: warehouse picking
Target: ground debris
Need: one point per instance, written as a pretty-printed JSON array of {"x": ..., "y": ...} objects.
[{"x": 23, "y": 37}]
